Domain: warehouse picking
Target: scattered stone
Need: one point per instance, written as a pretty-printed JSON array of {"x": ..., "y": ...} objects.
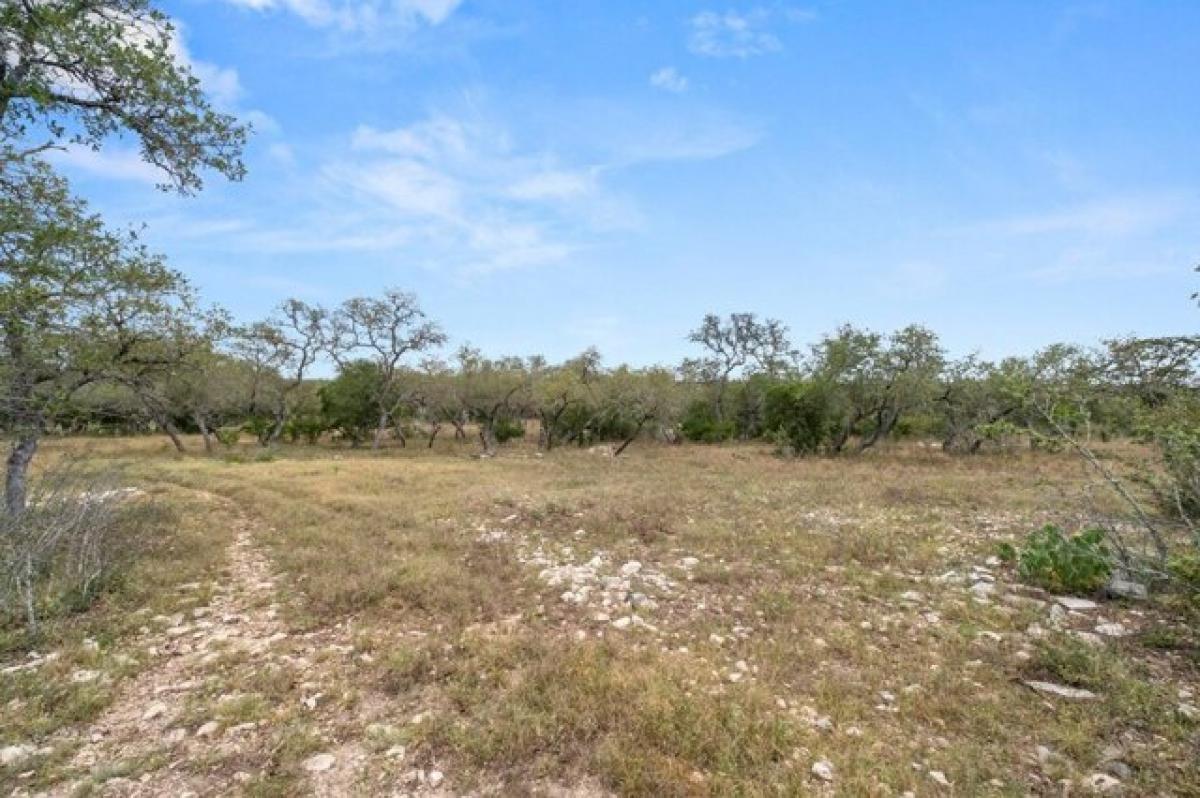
[
  {"x": 911, "y": 595},
  {"x": 983, "y": 590},
  {"x": 1100, "y": 784},
  {"x": 1112, "y": 630},
  {"x": 630, "y": 568},
  {"x": 1062, "y": 691},
  {"x": 1188, "y": 711},
  {"x": 434, "y": 778},
  {"x": 1076, "y": 604},
  {"x": 823, "y": 770},
  {"x": 155, "y": 710},
  {"x": 80, "y": 677},
  {"x": 319, "y": 763},
  {"x": 1118, "y": 769},
  {"x": 15, "y": 754},
  {"x": 208, "y": 729},
  {"x": 939, "y": 778},
  {"x": 622, "y": 623},
  {"x": 1126, "y": 589}
]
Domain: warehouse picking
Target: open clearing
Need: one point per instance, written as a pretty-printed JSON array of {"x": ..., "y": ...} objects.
[{"x": 680, "y": 621}]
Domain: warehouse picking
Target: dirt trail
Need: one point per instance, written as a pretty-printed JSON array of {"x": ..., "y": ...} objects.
[{"x": 157, "y": 736}]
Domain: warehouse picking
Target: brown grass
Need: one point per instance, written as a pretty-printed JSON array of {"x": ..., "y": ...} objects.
[{"x": 796, "y": 593}]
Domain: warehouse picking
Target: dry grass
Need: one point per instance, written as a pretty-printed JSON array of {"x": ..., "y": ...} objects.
[{"x": 767, "y": 653}]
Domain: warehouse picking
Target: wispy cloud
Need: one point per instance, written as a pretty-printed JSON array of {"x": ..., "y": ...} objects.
[
  {"x": 461, "y": 193},
  {"x": 669, "y": 79},
  {"x": 111, "y": 163},
  {"x": 359, "y": 15},
  {"x": 732, "y": 34},
  {"x": 1120, "y": 216}
]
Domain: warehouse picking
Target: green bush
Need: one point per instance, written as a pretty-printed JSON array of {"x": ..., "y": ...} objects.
[
  {"x": 310, "y": 427},
  {"x": 506, "y": 429},
  {"x": 700, "y": 424},
  {"x": 228, "y": 436},
  {"x": 800, "y": 416},
  {"x": 1078, "y": 564}
]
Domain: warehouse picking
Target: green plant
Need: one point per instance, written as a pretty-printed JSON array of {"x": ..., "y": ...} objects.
[
  {"x": 507, "y": 429},
  {"x": 1079, "y": 563},
  {"x": 800, "y": 416},
  {"x": 228, "y": 436},
  {"x": 700, "y": 423}
]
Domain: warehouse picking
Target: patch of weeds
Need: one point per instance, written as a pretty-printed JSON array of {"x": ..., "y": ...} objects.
[
  {"x": 1078, "y": 564},
  {"x": 241, "y": 709},
  {"x": 775, "y": 605},
  {"x": 290, "y": 745},
  {"x": 641, "y": 723},
  {"x": 409, "y": 667}
]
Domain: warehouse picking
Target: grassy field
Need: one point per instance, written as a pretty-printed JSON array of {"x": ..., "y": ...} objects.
[{"x": 680, "y": 621}]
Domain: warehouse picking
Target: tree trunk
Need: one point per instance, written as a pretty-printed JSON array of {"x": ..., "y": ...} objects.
[
  {"x": 205, "y": 432},
  {"x": 16, "y": 483},
  {"x": 380, "y": 430},
  {"x": 277, "y": 428},
  {"x": 172, "y": 432},
  {"x": 460, "y": 434},
  {"x": 488, "y": 436},
  {"x": 433, "y": 433},
  {"x": 637, "y": 431}
]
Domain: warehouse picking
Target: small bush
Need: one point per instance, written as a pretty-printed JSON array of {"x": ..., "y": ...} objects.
[
  {"x": 310, "y": 427},
  {"x": 507, "y": 429},
  {"x": 800, "y": 416},
  {"x": 68, "y": 543},
  {"x": 700, "y": 424},
  {"x": 229, "y": 436},
  {"x": 1078, "y": 564}
]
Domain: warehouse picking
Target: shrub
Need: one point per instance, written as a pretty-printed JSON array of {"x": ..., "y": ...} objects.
[
  {"x": 800, "y": 416},
  {"x": 1078, "y": 564},
  {"x": 700, "y": 424},
  {"x": 69, "y": 542},
  {"x": 310, "y": 427},
  {"x": 506, "y": 429},
  {"x": 228, "y": 436}
]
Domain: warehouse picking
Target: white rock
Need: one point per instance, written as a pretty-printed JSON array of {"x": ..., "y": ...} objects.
[
  {"x": 823, "y": 770},
  {"x": 939, "y": 777},
  {"x": 1112, "y": 630},
  {"x": 983, "y": 590},
  {"x": 13, "y": 754},
  {"x": 1100, "y": 783},
  {"x": 434, "y": 778},
  {"x": 1076, "y": 604},
  {"x": 79, "y": 677},
  {"x": 622, "y": 623},
  {"x": 319, "y": 763},
  {"x": 208, "y": 729},
  {"x": 630, "y": 568},
  {"x": 1188, "y": 711},
  {"x": 690, "y": 562},
  {"x": 911, "y": 595},
  {"x": 155, "y": 710},
  {"x": 1062, "y": 691}
]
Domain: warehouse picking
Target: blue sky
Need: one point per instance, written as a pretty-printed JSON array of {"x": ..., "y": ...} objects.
[{"x": 546, "y": 176}]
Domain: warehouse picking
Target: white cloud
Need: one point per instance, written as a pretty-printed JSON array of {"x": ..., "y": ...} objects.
[
  {"x": 1111, "y": 217},
  {"x": 732, "y": 34},
  {"x": 358, "y": 15},
  {"x": 669, "y": 79},
  {"x": 113, "y": 163},
  {"x": 553, "y": 184}
]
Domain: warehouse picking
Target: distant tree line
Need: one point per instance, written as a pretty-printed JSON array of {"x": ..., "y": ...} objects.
[{"x": 160, "y": 360}]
